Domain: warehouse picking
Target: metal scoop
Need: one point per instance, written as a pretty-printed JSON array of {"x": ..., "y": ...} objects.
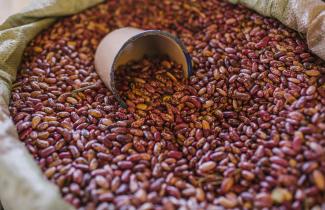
[{"x": 131, "y": 44}]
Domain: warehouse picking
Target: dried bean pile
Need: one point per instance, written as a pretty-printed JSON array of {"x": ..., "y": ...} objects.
[{"x": 246, "y": 131}]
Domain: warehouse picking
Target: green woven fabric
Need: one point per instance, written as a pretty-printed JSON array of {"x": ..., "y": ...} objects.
[{"x": 22, "y": 185}]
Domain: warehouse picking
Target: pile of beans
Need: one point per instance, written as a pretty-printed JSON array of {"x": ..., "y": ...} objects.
[{"x": 247, "y": 130}]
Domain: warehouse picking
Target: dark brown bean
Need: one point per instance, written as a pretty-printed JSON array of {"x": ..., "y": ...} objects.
[{"x": 47, "y": 151}]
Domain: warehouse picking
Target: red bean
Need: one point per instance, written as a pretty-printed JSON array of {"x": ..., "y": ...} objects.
[{"x": 245, "y": 131}]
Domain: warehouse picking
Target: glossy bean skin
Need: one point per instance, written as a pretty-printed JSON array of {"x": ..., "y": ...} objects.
[{"x": 245, "y": 131}]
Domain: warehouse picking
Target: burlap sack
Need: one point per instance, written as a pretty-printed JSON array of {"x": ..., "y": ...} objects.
[{"x": 22, "y": 185}]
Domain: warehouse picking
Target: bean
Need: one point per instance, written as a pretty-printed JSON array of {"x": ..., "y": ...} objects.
[
  {"x": 227, "y": 184},
  {"x": 207, "y": 166},
  {"x": 319, "y": 180},
  {"x": 47, "y": 151},
  {"x": 280, "y": 195},
  {"x": 244, "y": 131}
]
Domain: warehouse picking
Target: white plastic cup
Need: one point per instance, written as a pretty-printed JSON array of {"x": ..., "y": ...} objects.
[{"x": 131, "y": 44}]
